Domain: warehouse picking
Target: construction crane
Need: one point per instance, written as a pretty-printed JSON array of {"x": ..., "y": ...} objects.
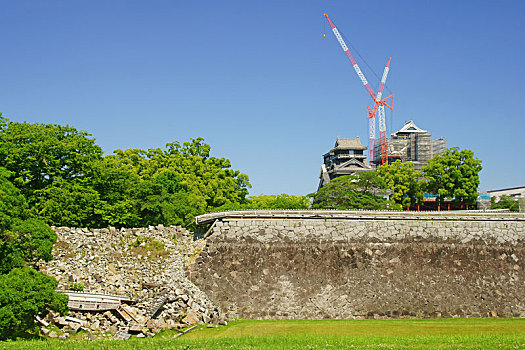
[
  {"x": 379, "y": 104},
  {"x": 379, "y": 107}
]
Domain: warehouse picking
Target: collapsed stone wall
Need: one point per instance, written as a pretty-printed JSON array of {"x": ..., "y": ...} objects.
[
  {"x": 143, "y": 264},
  {"x": 323, "y": 264}
]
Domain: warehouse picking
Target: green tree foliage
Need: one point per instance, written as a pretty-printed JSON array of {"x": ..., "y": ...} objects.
[
  {"x": 27, "y": 242},
  {"x": 24, "y": 292},
  {"x": 453, "y": 175},
  {"x": 362, "y": 191},
  {"x": 162, "y": 199},
  {"x": 23, "y": 241},
  {"x": 505, "y": 202},
  {"x": 12, "y": 203},
  {"x": 169, "y": 187},
  {"x": 69, "y": 203},
  {"x": 116, "y": 180},
  {"x": 212, "y": 177},
  {"x": 38, "y": 155},
  {"x": 281, "y": 201},
  {"x": 404, "y": 181},
  {"x": 67, "y": 182},
  {"x": 50, "y": 164}
]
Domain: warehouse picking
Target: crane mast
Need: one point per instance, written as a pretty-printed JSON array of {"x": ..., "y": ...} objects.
[
  {"x": 379, "y": 104},
  {"x": 379, "y": 107}
]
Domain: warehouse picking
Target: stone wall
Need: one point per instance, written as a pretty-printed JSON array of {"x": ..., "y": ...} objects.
[{"x": 337, "y": 264}]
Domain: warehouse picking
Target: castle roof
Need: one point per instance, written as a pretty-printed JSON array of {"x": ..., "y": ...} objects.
[
  {"x": 410, "y": 127},
  {"x": 354, "y": 144}
]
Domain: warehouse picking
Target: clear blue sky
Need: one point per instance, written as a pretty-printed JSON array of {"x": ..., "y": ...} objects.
[{"x": 259, "y": 82}]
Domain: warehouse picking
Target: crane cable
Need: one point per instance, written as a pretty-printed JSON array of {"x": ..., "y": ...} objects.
[{"x": 323, "y": 24}]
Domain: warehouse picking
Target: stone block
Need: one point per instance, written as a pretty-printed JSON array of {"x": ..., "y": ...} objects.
[{"x": 191, "y": 318}]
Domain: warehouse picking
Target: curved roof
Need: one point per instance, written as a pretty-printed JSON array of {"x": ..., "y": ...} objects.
[
  {"x": 410, "y": 127},
  {"x": 349, "y": 144}
]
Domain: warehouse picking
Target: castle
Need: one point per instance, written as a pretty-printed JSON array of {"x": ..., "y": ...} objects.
[{"x": 409, "y": 144}]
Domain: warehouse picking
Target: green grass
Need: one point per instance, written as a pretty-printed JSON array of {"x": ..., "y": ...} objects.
[
  {"x": 323, "y": 334},
  {"x": 401, "y": 327}
]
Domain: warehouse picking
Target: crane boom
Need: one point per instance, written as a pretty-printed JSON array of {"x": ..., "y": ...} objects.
[
  {"x": 383, "y": 79},
  {"x": 350, "y": 57}
]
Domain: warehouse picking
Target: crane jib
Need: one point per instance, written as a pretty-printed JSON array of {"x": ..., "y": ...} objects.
[
  {"x": 340, "y": 39},
  {"x": 347, "y": 51},
  {"x": 385, "y": 73},
  {"x": 361, "y": 75}
]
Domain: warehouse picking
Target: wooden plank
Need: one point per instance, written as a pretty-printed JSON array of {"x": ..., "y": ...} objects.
[{"x": 184, "y": 332}]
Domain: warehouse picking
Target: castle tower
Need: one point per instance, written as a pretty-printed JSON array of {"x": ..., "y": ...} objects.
[{"x": 346, "y": 158}]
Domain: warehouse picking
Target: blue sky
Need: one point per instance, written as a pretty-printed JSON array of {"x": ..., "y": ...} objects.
[{"x": 261, "y": 84}]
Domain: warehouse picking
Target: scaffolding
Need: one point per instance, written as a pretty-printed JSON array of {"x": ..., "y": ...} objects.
[{"x": 412, "y": 144}]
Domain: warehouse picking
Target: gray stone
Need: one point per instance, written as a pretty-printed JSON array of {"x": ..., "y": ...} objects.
[
  {"x": 191, "y": 318},
  {"x": 74, "y": 327},
  {"x": 61, "y": 321},
  {"x": 53, "y": 334}
]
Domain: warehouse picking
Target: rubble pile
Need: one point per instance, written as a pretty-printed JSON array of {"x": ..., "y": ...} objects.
[{"x": 145, "y": 265}]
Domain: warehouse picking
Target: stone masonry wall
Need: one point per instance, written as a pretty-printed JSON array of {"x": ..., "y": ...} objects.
[{"x": 324, "y": 264}]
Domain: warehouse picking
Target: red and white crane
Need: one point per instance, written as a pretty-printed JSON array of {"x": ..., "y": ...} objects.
[
  {"x": 379, "y": 104},
  {"x": 379, "y": 107}
]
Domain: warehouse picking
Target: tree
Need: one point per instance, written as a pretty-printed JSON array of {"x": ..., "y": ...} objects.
[
  {"x": 23, "y": 241},
  {"x": 167, "y": 187},
  {"x": 67, "y": 182},
  {"x": 202, "y": 174},
  {"x": 39, "y": 154},
  {"x": 505, "y": 202},
  {"x": 24, "y": 292},
  {"x": 362, "y": 191},
  {"x": 69, "y": 203},
  {"x": 282, "y": 201},
  {"x": 49, "y": 163},
  {"x": 12, "y": 204},
  {"x": 163, "y": 199},
  {"x": 116, "y": 179},
  {"x": 404, "y": 181},
  {"x": 453, "y": 175}
]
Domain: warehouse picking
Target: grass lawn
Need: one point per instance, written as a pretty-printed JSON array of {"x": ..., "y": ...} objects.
[
  {"x": 323, "y": 334},
  {"x": 401, "y": 327}
]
